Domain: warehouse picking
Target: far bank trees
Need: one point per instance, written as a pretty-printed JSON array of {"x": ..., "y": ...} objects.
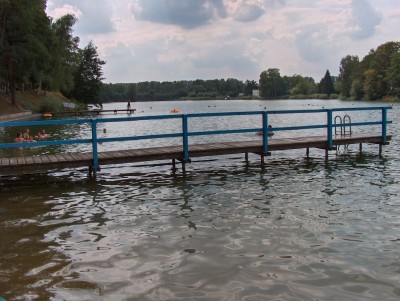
[
  {"x": 274, "y": 86},
  {"x": 376, "y": 76}
]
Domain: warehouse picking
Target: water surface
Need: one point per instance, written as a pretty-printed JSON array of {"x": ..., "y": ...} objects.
[{"x": 293, "y": 229}]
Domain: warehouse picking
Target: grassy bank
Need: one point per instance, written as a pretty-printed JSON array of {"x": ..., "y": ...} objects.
[{"x": 31, "y": 101}]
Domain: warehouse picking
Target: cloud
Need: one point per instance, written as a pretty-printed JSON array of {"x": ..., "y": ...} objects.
[
  {"x": 248, "y": 12},
  {"x": 232, "y": 59},
  {"x": 94, "y": 16},
  {"x": 365, "y": 19},
  {"x": 275, "y": 3},
  {"x": 119, "y": 62},
  {"x": 311, "y": 44},
  {"x": 170, "y": 40},
  {"x": 185, "y": 14}
]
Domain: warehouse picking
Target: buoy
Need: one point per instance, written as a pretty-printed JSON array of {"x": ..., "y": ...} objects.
[
  {"x": 175, "y": 111},
  {"x": 47, "y": 115}
]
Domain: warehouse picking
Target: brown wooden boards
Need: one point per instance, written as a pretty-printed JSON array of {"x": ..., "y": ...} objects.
[{"x": 20, "y": 164}]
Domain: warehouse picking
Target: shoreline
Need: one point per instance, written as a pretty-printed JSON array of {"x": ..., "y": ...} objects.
[{"x": 16, "y": 116}]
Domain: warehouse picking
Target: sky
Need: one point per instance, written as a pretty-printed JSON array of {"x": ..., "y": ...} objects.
[{"x": 169, "y": 40}]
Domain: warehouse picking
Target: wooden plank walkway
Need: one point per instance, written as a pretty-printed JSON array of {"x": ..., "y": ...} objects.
[
  {"x": 93, "y": 111},
  {"x": 17, "y": 165}
]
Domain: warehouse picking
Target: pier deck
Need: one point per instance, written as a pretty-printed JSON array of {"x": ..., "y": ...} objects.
[{"x": 17, "y": 165}]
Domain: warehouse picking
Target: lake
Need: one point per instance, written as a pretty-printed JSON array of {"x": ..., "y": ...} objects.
[{"x": 293, "y": 229}]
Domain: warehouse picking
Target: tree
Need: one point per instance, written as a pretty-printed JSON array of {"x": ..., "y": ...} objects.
[
  {"x": 303, "y": 85},
  {"x": 372, "y": 85},
  {"x": 356, "y": 91},
  {"x": 393, "y": 76},
  {"x": 271, "y": 84},
  {"x": 88, "y": 77},
  {"x": 249, "y": 86},
  {"x": 349, "y": 66},
  {"x": 24, "y": 41},
  {"x": 326, "y": 84},
  {"x": 65, "y": 55},
  {"x": 131, "y": 91}
]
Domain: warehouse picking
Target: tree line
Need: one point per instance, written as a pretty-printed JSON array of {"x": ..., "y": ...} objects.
[
  {"x": 376, "y": 76},
  {"x": 42, "y": 54},
  {"x": 194, "y": 89},
  {"x": 270, "y": 86}
]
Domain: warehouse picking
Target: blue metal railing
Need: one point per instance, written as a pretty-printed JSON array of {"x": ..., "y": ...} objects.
[{"x": 185, "y": 134}]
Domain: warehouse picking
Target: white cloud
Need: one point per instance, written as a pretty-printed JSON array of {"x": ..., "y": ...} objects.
[
  {"x": 65, "y": 9},
  {"x": 365, "y": 19},
  {"x": 94, "y": 16},
  {"x": 164, "y": 40},
  {"x": 248, "y": 12}
]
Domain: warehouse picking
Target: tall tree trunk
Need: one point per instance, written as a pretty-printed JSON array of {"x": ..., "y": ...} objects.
[
  {"x": 39, "y": 88},
  {"x": 11, "y": 80}
]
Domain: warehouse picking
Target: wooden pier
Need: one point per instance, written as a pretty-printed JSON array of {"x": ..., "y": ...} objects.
[
  {"x": 92, "y": 112},
  {"x": 17, "y": 165},
  {"x": 338, "y": 132}
]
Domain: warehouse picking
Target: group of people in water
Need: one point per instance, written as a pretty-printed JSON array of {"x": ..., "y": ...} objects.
[{"x": 26, "y": 137}]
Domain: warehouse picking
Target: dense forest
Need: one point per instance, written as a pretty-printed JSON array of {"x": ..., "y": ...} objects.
[
  {"x": 196, "y": 89},
  {"x": 376, "y": 76},
  {"x": 41, "y": 54},
  {"x": 270, "y": 86}
]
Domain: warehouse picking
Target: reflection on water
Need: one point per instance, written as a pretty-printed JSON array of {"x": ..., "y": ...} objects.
[{"x": 295, "y": 229}]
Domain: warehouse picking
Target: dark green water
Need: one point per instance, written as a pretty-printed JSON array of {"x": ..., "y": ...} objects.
[{"x": 294, "y": 229}]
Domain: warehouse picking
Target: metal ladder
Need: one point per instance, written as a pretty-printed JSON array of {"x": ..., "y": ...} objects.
[
  {"x": 345, "y": 128},
  {"x": 345, "y": 125}
]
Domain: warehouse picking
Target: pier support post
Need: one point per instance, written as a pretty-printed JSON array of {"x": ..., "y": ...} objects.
[
  {"x": 246, "y": 157},
  {"x": 92, "y": 173},
  {"x": 380, "y": 150},
  {"x": 265, "y": 133},
  {"x": 360, "y": 148},
  {"x": 326, "y": 154},
  {"x": 308, "y": 152},
  {"x": 95, "y": 160},
  {"x": 384, "y": 124},
  {"x": 329, "y": 129},
  {"x": 173, "y": 165},
  {"x": 185, "y": 138}
]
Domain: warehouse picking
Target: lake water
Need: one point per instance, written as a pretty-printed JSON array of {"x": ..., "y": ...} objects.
[{"x": 293, "y": 229}]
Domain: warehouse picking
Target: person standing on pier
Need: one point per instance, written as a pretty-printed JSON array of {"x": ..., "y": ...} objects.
[{"x": 129, "y": 105}]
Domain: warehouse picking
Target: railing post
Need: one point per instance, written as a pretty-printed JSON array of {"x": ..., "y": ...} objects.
[
  {"x": 185, "y": 138},
  {"x": 329, "y": 129},
  {"x": 265, "y": 132},
  {"x": 94, "y": 146},
  {"x": 384, "y": 124}
]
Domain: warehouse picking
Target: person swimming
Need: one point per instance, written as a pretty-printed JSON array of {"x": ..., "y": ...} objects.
[
  {"x": 26, "y": 135},
  {"x": 42, "y": 135},
  {"x": 19, "y": 138},
  {"x": 270, "y": 132}
]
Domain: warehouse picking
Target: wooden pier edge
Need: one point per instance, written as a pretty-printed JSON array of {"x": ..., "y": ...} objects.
[{"x": 20, "y": 165}]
